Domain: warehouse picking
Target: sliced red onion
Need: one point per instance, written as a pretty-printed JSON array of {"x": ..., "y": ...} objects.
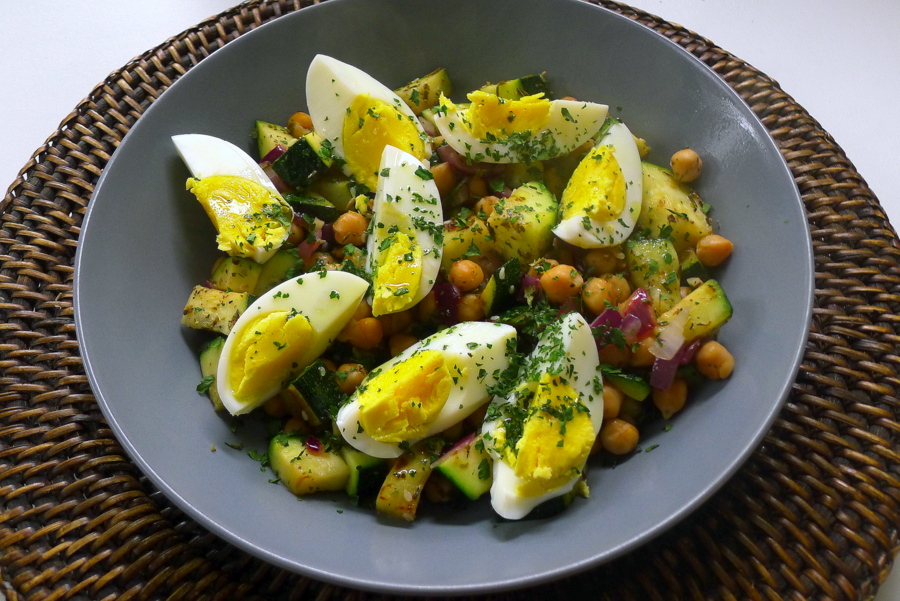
[
  {"x": 428, "y": 126},
  {"x": 447, "y": 298},
  {"x": 505, "y": 192},
  {"x": 639, "y": 305},
  {"x": 663, "y": 373},
  {"x": 631, "y": 327},
  {"x": 327, "y": 234},
  {"x": 273, "y": 154},
  {"x": 689, "y": 351},
  {"x": 529, "y": 283},
  {"x": 610, "y": 318},
  {"x": 670, "y": 338},
  {"x": 457, "y": 161},
  {"x": 306, "y": 249},
  {"x": 276, "y": 180}
]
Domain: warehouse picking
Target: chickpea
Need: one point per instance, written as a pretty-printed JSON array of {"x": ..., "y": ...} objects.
[
  {"x": 612, "y": 401},
  {"x": 539, "y": 267},
  {"x": 365, "y": 333},
  {"x": 400, "y": 342},
  {"x": 686, "y": 165},
  {"x": 618, "y": 436},
  {"x": 471, "y": 307},
  {"x": 611, "y": 354},
  {"x": 329, "y": 364},
  {"x": 444, "y": 178},
  {"x": 671, "y": 400},
  {"x": 604, "y": 260},
  {"x": 598, "y": 295},
  {"x": 300, "y": 124},
  {"x": 486, "y": 205},
  {"x": 319, "y": 260},
  {"x": 275, "y": 406},
  {"x": 713, "y": 249},
  {"x": 640, "y": 353},
  {"x": 623, "y": 288},
  {"x": 298, "y": 232},
  {"x": 560, "y": 283},
  {"x": 427, "y": 306},
  {"x": 296, "y": 425},
  {"x": 477, "y": 186},
  {"x": 392, "y": 323},
  {"x": 466, "y": 275},
  {"x": 363, "y": 310},
  {"x": 714, "y": 361},
  {"x": 349, "y": 376},
  {"x": 350, "y": 228}
]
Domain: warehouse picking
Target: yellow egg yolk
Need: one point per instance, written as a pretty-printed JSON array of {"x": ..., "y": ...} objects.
[
  {"x": 596, "y": 188},
  {"x": 490, "y": 114},
  {"x": 245, "y": 214},
  {"x": 369, "y": 126},
  {"x": 267, "y": 353},
  {"x": 398, "y": 274},
  {"x": 401, "y": 402},
  {"x": 556, "y": 439}
]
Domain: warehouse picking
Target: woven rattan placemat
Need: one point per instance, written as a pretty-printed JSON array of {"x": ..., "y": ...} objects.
[{"x": 814, "y": 514}]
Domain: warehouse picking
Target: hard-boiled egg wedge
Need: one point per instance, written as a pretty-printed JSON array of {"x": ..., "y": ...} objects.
[
  {"x": 250, "y": 216},
  {"x": 404, "y": 247},
  {"x": 602, "y": 201},
  {"x": 541, "y": 435},
  {"x": 358, "y": 116},
  {"x": 497, "y": 130},
  {"x": 427, "y": 388},
  {"x": 282, "y": 332}
]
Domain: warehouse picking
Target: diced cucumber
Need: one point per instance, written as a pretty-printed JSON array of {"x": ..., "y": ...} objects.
[
  {"x": 214, "y": 310},
  {"x": 209, "y": 365},
  {"x": 631, "y": 385},
  {"x": 317, "y": 385},
  {"x": 653, "y": 265},
  {"x": 297, "y": 406},
  {"x": 514, "y": 89},
  {"x": 304, "y": 470},
  {"x": 270, "y": 135},
  {"x": 669, "y": 206},
  {"x": 402, "y": 489},
  {"x": 283, "y": 265},
  {"x": 336, "y": 190},
  {"x": 708, "y": 308},
  {"x": 236, "y": 274},
  {"x": 303, "y": 162},
  {"x": 499, "y": 293},
  {"x": 692, "y": 269},
  {"x": 425, "y": 92},
  {"x": 313, "y": 204},
  {"x": 367, "y": 475},
  {"x": 468, "y": 466},
  {"x": 523, "y": 223}
]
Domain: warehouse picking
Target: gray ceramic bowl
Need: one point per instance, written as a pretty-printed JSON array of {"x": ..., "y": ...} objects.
[{"x": 145, "y": 243}]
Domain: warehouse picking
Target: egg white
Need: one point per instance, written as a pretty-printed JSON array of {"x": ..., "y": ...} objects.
[
  {"x": 408, "y": 203},
  {"x": 480, "y": 347},
  {"x": 587, "y": 232},
  {"x": 332, "y": 85},
  {"x": 208, "y": 155},
  {"x": 327, "y": 299},
  {"x": 581, "y": 362},
  {"x": 571, "y": 123}
]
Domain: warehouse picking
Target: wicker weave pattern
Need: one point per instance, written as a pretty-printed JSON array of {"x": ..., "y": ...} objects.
[{"x": 814, "y": 514}]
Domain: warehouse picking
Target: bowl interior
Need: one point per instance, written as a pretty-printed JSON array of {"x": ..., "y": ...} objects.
[{"x": 146, "y": 243}]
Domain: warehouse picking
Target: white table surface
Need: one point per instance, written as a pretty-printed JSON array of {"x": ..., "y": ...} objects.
[{"x": 839, "y": 60}]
